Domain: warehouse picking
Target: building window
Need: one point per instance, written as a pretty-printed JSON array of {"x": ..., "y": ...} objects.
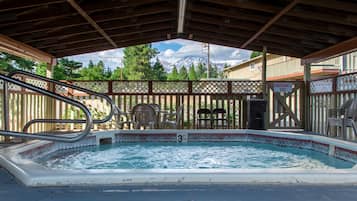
[{"x": 252, "y": 66}]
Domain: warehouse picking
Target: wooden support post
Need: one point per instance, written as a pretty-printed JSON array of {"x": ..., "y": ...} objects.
[
  {"x": 50, "y": 103},
  {"x": 306, "y": 105},
  {"x": 265, "y": 87}
]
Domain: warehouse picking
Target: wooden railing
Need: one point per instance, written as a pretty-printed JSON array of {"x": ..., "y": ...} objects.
[
  {"x": 285, "y": 108},
  {"x": 330, "y": 93}
]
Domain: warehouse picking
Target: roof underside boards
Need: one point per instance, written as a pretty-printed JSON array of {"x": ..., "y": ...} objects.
[{"x": 286, "y": 27}]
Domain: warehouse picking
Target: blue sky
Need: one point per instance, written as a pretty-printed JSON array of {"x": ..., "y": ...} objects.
[{"x": 172, "y": 52}]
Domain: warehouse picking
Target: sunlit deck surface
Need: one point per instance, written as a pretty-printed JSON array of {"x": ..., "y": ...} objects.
[{"x": 10, "y": 190}]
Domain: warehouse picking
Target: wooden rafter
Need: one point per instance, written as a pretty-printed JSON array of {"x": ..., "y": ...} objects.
[
  {"x": 20, "y": 49},
  {"x": 332, "y": 51},
  {"x": 108, "y": 28},
  {"x": 92, "y": 22},
  {"x": 181, "y": 16},
  {"x": 270, "y": 22},
  {"x": 28, "y": 4}
]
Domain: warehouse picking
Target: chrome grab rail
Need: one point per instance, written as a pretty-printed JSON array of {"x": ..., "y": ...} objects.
[
  {"x": 95, "y": 121},
  {"x": 44, "y": 136}
]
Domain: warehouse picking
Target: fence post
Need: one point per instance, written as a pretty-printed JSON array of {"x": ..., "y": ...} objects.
[
  {"x": 306, "y": 105},
  {"x": 334, "y": 104},
  {"x": 50, "y": 103}
]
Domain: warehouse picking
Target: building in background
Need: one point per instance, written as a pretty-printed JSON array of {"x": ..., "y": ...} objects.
[{"x": 290, "y": 68}]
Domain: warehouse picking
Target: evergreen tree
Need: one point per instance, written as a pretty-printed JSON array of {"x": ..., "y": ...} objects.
[
  {"x": 192, "y": 73},
  {"x": 117, "y": 74},
  {"x": 214, "y": 72},
  {"x": 9, "y": 62},
  {"x": 137, "y": 59},
  {"x": 174, "y": 74},
  {"x": 67, "y": 69},
  {"x": 255, "y": 54},
  {"x": 158, "y": 71},
  {"x": 183, "y": 75},
  {"x": 201, "y": 71},
  {"x": 41, "y": 69},
  {"x": 90, "y": 64}
]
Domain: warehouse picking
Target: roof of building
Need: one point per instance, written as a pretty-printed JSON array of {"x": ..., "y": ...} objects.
[{"x": 295, "y": 28}]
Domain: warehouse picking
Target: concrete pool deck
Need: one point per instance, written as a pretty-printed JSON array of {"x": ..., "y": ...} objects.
[{"x": 13, "y": 190}]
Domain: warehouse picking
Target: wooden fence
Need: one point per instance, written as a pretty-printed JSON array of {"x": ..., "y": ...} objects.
[
  {"x": 330, "y": 93},
  {"x": 284, "y": 106}
]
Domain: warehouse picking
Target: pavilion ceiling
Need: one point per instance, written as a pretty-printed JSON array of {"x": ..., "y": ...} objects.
[{"x": 287, "y": 27}]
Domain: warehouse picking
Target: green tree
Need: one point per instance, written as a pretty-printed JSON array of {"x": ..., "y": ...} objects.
[
  {"x": 117, "y": 74},
  {"x": 174, "y": 74},
  {"x": 158, "y": 71},
  {"x": 9, "y": 62},
  {"x": 137, "y": 64},
  {"x": 214, "y": 72},
  {"x": 66, "y": 69},
  {"x": 94, "y": 72},
  {"x": 255, "y": 54},
  {"x": 41, "y": 69},
  {"x": 183, "y": 75},
  {"x": 59, "y": 73},
  {"x": 201, "y": 71},
  {"x": 192, "y": 73}
]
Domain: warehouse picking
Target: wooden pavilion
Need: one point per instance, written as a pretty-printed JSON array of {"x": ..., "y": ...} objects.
[{"x": 44, "y": 30}]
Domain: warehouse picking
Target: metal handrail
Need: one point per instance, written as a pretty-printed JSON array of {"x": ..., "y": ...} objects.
[
  {"x": 95, "y": 121},
  {"x": 44, "y": 136}
]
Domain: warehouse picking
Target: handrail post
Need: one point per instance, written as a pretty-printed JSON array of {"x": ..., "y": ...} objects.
[{"x": 6, "y": 108}]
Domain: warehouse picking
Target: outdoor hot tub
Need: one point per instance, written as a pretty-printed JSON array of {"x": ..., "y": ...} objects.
[{"x": 184, "y": 157}]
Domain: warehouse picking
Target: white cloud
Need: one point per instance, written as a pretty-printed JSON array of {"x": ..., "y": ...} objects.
[
  {"x": 111, "y": 58},
  {"x": 189, "y": 51}
]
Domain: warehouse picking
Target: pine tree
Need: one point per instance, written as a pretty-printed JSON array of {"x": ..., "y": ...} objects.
[
  {"x": 192, "y": 73},
  {"x": 255, "y": 54},
  {"x": 158, "y": 71},
  {"x": 201, "y": 71},
  {"x": 117, "y": 74},
  {"x": 174, "y": 74},
  {"x": 214, "y": 72},
  {"x": 137, "y": 59},
  {"x": 9, "y": 62},
  {"x": 183, "y": 75}
]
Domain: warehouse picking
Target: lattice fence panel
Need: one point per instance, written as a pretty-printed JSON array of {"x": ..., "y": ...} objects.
[
  {"x": 247, "y": 87},
  {"x": 97, "y": 86},
  {"x": 170, "y": 87},
  {"x": 130, "y": 87},
  {"x": 61, "y": 89},
  {"x": 347, "y": 82},
  {"x": 322, "y": 86},
  {"x": 210, "y": 87}
]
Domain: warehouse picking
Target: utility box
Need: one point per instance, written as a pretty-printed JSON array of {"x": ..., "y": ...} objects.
[{"x": 255, "y": 113}]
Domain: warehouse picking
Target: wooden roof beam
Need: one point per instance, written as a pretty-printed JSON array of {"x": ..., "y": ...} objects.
[
  {"x": 17, "y": 48},
  {"x": 270, "y": 22},
  {"x": 344, "y": 47},
  {"x": 181, "y": 16},
  {"x": 91, "y": 21},
  {"x": 10, "y": 5},
  {"x": 107, "y": 28}
]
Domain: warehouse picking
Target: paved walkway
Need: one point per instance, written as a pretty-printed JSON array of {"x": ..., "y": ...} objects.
[{"x": 12, "y": 190}]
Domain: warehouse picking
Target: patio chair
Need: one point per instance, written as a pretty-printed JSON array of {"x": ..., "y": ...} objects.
[
  {"x": 121, "y": 118},
  {"x": 144, "y": 115},
  {"x": 204, "y": 116},
  {"x": 173, "y": 119},
  {"x": 343, "y": 117},
  {"x": 219, "y": 118}
]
